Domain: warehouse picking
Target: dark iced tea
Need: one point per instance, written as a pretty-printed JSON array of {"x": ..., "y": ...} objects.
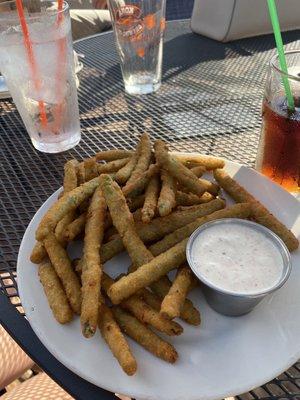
[{"x": 279, "y": 154}]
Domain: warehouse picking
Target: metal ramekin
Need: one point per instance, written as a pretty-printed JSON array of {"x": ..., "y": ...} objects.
[{"x": 232, "y": 303}]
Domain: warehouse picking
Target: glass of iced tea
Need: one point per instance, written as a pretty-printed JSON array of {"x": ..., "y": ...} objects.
[{"x": 279, "y": 147}]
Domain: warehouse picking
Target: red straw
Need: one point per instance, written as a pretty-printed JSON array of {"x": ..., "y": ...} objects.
[
  {"x": 60, "y": 73},
  {"x": 32, "y": 63},
  {"x": 59, "y": 8}
]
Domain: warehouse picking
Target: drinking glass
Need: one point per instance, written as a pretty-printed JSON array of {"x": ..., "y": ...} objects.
[
  {"x": 139, "y": 26},
  {"x": 279, "y": 146},
  {"x": 39, "y": 72}
]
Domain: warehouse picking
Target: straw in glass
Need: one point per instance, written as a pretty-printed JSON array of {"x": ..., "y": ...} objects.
[
  {"x": 281, "y": 55},
  {"x": 31, "y": 59},
  {"x": 59, "y": 73}
]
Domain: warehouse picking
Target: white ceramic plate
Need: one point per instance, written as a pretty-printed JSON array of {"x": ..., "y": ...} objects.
[{"x": 223, "y": 357}]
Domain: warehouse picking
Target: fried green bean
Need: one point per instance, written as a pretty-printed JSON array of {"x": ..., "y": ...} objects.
[
  {"x": 210, "y": 187},
  {"x": 173, "y": 302},
  {"x": 210, "y": 163},
  {"x": 161, "y": 226},
  {"x": 236, "y": 211},
  {"x": 70, "y": 201},
  {"x": 143, "y": 161},
  {"x": 63, "y": 224},
  {"x": 144, "y": 336},
  {"x": 151, "y": 299},
  {"x": 123, "y": 220},
  {"x": 70, "y": 175},
  {"x": 161, "y": 287},
  {"x": 75, "y": 228},
  {"x": 125, "y": 172},
  {"x": 112, "y": 166},
  {"x": 189, "y": 199},
  {"x": 80, "y": 173},
  {"x": 188, "y": 313},
  {"x": 136, "y": 202},
  {"x": 38, "y": 253},
  {"x": 151, "y": 197},
  {"x": 62, "y": 265},
  {"x": 55, "y": 294},
  {"x": 144, "y": 312},
  {"x": 112, "y": 155},
  {"x": 182, "y": 174},
  {"x": 117, "y": 343},
  {"x": 260, "y": 213},
  {"x": 148, "y": 273},
  {"x": 137, "y": 186},
  {"x": 70, "y": 183},
  {"x": 90, "y": 168},
  {"x": 91, "y": 266},
  {"x": 198, "y": 170},
  {"x": 167, "y": 196}
]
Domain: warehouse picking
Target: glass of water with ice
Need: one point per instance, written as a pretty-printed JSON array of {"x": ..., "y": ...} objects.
[
  {"x": 139, "y": 26},
  {"x": 38, "y": 67}
]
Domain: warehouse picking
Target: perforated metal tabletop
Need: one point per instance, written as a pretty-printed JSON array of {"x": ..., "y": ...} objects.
[{"x": 210, "y": 102}]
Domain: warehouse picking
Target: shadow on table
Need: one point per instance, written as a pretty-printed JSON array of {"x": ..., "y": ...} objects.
[
  {"x": 190, "y": 49},
  {"x": 181, "y": 54}
]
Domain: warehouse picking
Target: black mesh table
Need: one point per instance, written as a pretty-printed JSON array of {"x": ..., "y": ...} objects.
[{"x": 210, "y": 102}]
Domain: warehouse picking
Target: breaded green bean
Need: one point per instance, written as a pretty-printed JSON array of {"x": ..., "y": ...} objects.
[
  {"x": 236, "y": 211},
  {"x": 161, "y": 287},
  {"x": 189, "y": 199},
  {"x": 199, "y": 170},
  {"x": 161, "y": 226},
  {"x": 91, "y": 266},
  {"x": 151, "y": 197},
  {"x": 144, "y": 312},
  {"x": 62, "y": 265},
  {"x": 210, "y": 187},
  {"x": 125, "y": 172},
  {"x": 136, "y": 202},
  {"x": 188, "y": 313},
  {"x": 63, "y": 224},
  {"x": 143, "y": 161},
  {"x": 151, "y": 299},
  {"x": 75, "y": 228},
  {"x": 80, "y": 173},
  {"x": 91, "y": 169},
  {"x": 112, "y": 166},
  {"x": 136, "y": 187},
  {"x": 182, "y": 174},
  {"x": 167, "y": 196},
  {"x": 112, "y": 155},
  {"x": 70, "y": 183},
  {"x": 116, "y": 341},
  {"x": 148, "y": 273},
  {"x": 172, "y": 304},
  {"x": 138, "y": 252},
  {"x": 144, "y": 336},
  {"x": 123, "y": 220},
  {"x": 70, "y": 175},
  {"x": 260, "y": 213},
  {"x": 38, "y": 253},
  {"x": 208, "y": 162},
  {"x": 70, "y": 201},
  {"x": 55, "y": 294}
]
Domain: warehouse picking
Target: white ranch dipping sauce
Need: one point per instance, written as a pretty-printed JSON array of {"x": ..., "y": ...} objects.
[{"x": 237, "y": 258}]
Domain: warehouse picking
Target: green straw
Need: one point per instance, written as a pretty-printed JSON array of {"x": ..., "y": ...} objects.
[{"x": 282, "y": 60}]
